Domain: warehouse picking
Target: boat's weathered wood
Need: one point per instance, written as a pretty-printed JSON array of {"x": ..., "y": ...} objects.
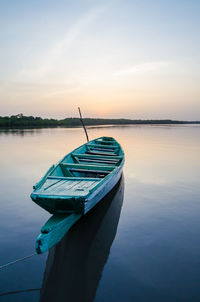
[
  {"x": 110, "y": 160},
  {"x": 38, "y": 184},
  {"x": 89, "y": 171},
  {"x": 103, "y": 146},
  {"x": 100, "y": 153},
  {"x": 72, "y": 178},
  {"x": 59, "y": 187},
  {"x": 87, "y": 166},
  {"x": 100, "y": 161},
  {"x": 70, "y": 189},
  {"x": 102, "y": 149},
  {"x": 117, "y": 157}
]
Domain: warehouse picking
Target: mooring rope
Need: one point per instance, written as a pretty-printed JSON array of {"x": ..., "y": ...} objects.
[
  {"x": 17, "y": 260},
  {"x": 19, "y": 291}
]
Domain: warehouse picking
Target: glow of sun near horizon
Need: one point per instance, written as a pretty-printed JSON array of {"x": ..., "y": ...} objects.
[{"x": 114, "y": 58}]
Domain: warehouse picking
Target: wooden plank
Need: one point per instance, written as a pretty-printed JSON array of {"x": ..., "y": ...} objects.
[
  {"x": 72, "y": 178},
  {"x": 100, "y": 153},
  {"x": 102, "y": 149},
  {"x": 102, "y": 146},
  {"x": 81, "y": 155},
  {"x": 89, "y": 166},
  {"x": 109, "y": 162},
  {"x": 89, "y": 171}
]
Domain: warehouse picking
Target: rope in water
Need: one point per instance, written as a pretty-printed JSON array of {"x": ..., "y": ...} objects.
[
  {"x": 17, "y": 260},
  {"x": 20, "y": 291}
]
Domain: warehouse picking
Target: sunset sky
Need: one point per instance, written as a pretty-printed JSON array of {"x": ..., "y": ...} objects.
[{"x": 120, "y": 58}]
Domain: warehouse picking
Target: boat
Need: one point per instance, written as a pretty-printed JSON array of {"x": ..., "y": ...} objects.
[{"x": 75, "y": 185}]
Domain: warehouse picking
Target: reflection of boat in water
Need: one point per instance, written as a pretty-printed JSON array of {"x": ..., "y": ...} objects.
[{"x": 74, "y": 266}]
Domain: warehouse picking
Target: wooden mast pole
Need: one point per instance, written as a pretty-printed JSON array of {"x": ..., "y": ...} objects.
[{"x": 83, "y": 124}]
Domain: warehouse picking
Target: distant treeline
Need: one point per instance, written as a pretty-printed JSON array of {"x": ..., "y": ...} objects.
[{"x": 21, "y": 121}]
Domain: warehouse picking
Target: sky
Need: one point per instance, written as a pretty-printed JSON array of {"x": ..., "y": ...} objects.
[{"x": 114, "y": 58}]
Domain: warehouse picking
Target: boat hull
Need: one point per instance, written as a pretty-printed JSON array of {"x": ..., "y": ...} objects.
[{"x": 102, "y": 191}]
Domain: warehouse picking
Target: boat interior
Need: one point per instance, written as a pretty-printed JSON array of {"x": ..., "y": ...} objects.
[
  {"x": 79, "y": 172},
  {"x": 95, "y": 159}
]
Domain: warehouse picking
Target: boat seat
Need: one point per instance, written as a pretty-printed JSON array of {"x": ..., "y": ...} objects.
[
  {"x": 83, "y": 155},
  {"x": 105, "y": 143},
  {"x": 102, "y": 149},
  {"x": 73, "y": 178},
  {"x": 102, "y": 146},
  {"x": 100, "y": 161},
  {"x": 99, "y": 158},
  {"x": 101, "y": 153},
  {"x": 89, "y": 171}
]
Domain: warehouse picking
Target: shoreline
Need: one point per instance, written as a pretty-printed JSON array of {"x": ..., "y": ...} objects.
[{"x": 97, "y": 126}]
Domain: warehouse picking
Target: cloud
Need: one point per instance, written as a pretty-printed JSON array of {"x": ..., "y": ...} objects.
[
  {"x": 48, "y": 63},
  {"x": 144, "y": 69}
]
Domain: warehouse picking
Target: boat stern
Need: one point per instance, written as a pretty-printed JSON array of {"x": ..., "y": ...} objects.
[{"x": 54, "y": 204}]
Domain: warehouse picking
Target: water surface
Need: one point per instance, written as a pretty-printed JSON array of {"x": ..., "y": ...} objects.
[{"x": 142, "y": 245}]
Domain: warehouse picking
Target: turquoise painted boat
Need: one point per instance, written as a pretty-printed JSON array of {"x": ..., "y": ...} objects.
[{"x": 75, "y": 185}]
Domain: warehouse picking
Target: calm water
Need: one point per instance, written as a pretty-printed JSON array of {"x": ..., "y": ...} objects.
[{"x": 141, "y": 243}]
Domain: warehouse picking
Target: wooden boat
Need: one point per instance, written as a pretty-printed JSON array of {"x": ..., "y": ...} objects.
[{"x": 75, "y": 185}]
